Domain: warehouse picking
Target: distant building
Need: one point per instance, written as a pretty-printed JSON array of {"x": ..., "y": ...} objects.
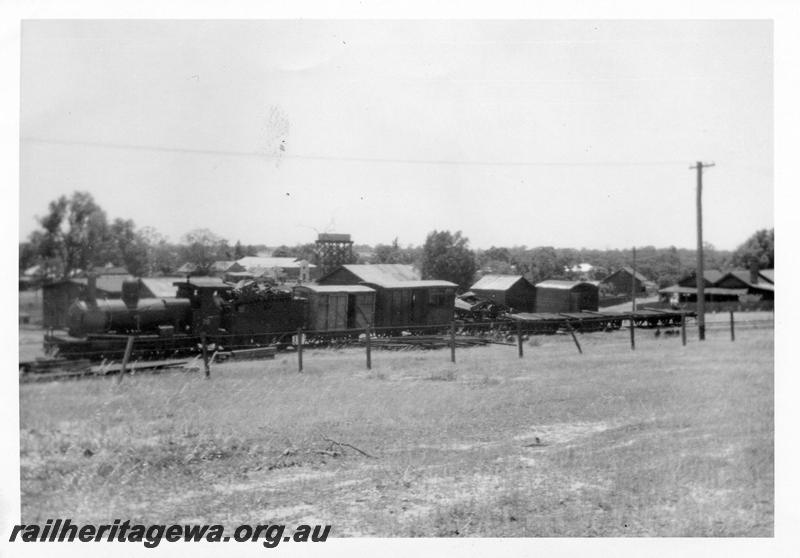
[
  {"x": 734, "y": 286},
  {"x": 513, "y": 291},
  {"x": 623, "y": 280},
  {"x": 220, "y": 268},
  {"x": 278, "y": 269},
  {"x": 752, "y": 281}
]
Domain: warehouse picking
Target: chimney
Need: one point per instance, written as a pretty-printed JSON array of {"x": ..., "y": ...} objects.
[
  {"x": 754, "y": 273},
  {"x": 91, "y": 290}
]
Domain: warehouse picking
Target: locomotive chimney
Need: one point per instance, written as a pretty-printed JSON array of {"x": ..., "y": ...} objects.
[
  {"x": 91, "y": 290},
  {"x": 130, "y": 292},
  {"x": 754, "y": 273}
]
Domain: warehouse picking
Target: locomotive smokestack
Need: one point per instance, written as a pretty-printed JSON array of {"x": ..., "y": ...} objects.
[
  {"x": 91, "y": 290},
  {"x": 130, "y": 292}
]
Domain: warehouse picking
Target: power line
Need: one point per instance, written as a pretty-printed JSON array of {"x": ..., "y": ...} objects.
[{"x": 336, "y": 158}]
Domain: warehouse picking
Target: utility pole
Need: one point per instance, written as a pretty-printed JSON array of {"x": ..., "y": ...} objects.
[
  {"x": 633, "y": 282},
  {"x": 701, "y": 294}
]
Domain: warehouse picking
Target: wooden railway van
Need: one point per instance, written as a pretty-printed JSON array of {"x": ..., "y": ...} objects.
[
  {"x": 337, "y": 307},
  {"x": 414, "y": 303}
]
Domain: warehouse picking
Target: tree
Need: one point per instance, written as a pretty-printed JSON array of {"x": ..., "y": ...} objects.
[
  {"x": 129, "y": 246},
  {"x": 447, "y": 256},
  {"x": 75, "y": 236},
  {"x": 544, "y": 264},
  {"x": 202, "y": 248},
  {"x": 759, "y": 249}
]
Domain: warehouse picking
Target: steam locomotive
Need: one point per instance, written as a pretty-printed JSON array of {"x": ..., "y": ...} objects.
[{"x": 205, "y": 309}]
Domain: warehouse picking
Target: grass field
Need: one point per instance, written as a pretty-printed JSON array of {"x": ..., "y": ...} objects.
[{"x": 663, "y": 441}]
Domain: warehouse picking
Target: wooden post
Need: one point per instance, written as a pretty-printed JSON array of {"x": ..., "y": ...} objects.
[
  {"x": 633, "y": 336},
  {"x": 452, "y": 342},
  {"x": 368, "y": 333},
  {"x": 683, "y": 328},
  {"x": 126, "y": 357},
  {"x": 519, "y": 339},
  {"x": 572, "y": 332},
  {"x": 206, "y": 367},
  {"x": 299, "y": 349},
  {"x": 733, "y": 335},
  {"x": 633, "y": 282}
]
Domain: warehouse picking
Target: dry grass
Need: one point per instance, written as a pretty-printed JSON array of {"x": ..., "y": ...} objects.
[{"x": 666, "y": 440}]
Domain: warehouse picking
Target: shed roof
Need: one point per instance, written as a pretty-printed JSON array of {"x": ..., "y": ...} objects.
[
  {"x": 382, "y": 273},
  {"x": 161, "y": 287},
  {"x": 559, "y": 284},
  {"x": 420, "y": 284},
  {"x": 337, "y": 288},
  {"x": 710, "y": 275},
  {"x": 768, "y": 274},
  {"x": 629, "y": 270},
  {"x": 203, "y": 282},
  {"x": 743, "y": 276},
  {"x": 249, "y": 262},
  {"x": 708, "y": 290},
  {"x": 225, "y": 265},
  {"x": 106, "y": 283},
  {"x": 497, "y": 282}
]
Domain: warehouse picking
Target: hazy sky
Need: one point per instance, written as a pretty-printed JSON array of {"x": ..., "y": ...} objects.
[{"x": 564, "y": 133}]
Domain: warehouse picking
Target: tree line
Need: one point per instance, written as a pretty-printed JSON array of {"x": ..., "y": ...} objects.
[{"x": 76, "y": 235}]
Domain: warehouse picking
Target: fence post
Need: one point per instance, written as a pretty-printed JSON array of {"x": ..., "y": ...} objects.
[
  {"x": 519, "y": 338},
  {"x": 733, "y": 335},
  {"x": 299, "y": 349},
  {"x": 633, "y": 336},
  {"x": 206, "y": 368},
  {"x": 452, "y": 341},
  {"x": 125, "y": 358},
  {"x": 683, "y": 328},
  {"x": 368, "y": 333},
  {"x": 572, "y": 332}
]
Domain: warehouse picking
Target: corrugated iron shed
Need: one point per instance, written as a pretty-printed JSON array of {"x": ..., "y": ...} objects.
[
  {"x": 250, "y": 262},
  {"x": 338, "y": 288},
  {"x": 420, "y": 284},
  {"x": 373, "y": 273},
  {"x": 559, "y": 284},
  {"x": 496, "y": 282}
]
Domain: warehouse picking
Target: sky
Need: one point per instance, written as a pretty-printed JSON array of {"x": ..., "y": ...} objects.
[{"x": 566, "y": 133}]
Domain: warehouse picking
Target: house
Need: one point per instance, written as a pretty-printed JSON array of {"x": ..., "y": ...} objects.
[
  {"x": 187, "y": 269},
  {"x": 355, "y": 274},
  {"x": 751, "y": 281},
  {"x": 278, "y": 269},
  {"x": 710, "y": 278},
  {"x": 220, "y": 268},
  {"x": 513, "y": 291},
  {"x": 622, "y": 281},
  {"x": 733, "y": 286},
  {"x": 566, "y": 296}
]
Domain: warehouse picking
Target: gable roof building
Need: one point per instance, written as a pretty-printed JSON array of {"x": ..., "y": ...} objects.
[
  {"x": 623, "y": 279},
  {"x": 513, "y": 291},
  {"x": 354, "y": 274}
]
